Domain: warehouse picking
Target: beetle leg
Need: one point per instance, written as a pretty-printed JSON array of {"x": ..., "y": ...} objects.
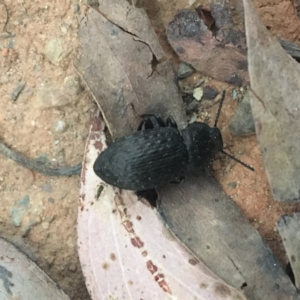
[
  {"x": 141, "y": 125},
  {"x": 171, "y": 122},
  {"x": 150, "y": 122},
  {"x": 150, "y": 195}
]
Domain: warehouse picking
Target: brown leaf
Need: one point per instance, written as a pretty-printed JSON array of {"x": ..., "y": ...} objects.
[
  {"x": 221, "y": 56},
  {"x": 125, "y": 68},
  {"x": 275, "y": 83}
]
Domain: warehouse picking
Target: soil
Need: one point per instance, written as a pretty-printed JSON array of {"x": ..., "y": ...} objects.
[{"x": 50, "y": 119}]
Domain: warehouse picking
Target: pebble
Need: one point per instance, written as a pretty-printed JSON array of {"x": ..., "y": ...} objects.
[
  {"x": 76, "y": 8},
  {"x": 198, "y": 93},
  {"x": 72, "y": 85},
  {"x": 17, "y": 91},
  {"x": 46, "y": 187},
  {"x": 45, "y": 225},
  {"x": 47, "y": 98},
  {"x": 60, "y": 126},
  {"x": 72, "y": 267},
  {"x": 64, "y": 28},
  {"x": 242, "y": 123},
  {"x": 193, "y": 119},
  {"x": 184, "y": 70},
  {"x": 18, "y": 211},
  {"x": 54, "y": 50},
  {"x": 232, "y": 185},
  {"x": 209, "y": 93},
  {"x": 50, "y": 200},
  {"x": 234, "y": 94},
  {"x": 93, "y": 3}
]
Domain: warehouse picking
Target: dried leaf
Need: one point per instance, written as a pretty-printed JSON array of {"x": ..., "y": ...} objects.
[
  {"x": 222, "y": 56},
  {"x": 23, "y": 279},
  {"x": 215, "y": 230},
  {"x": 275, "y": 82},
  {"x": 125, "y": 250},
  {"x": 288, "y": 227},
  {"x": 125, "y": 68}
]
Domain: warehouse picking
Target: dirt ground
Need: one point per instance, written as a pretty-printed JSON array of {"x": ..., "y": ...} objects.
[{"x": 50, "y": 120}]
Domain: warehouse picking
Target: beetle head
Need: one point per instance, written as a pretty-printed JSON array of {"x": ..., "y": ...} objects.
[
  {"x": 216, "y": 139},
  {"x": 203, "y": 143}
]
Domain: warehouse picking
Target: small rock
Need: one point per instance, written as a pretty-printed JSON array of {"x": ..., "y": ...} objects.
[
  {"x": 17, "y": 91},
  {"x": 72, "y": 267},
  {"x": 198, "y": 93},
  {"x": 72, "y": 85},
  {"x": 184, "y": 70},
  {"x": 193, "y": 119},
  {"x": 64, "y": 28},
  {"x": 11, "y": 43},
  {"x": 60, "y": 126},
  {"x": 18, "y": 211},
  {"x": 193, "y": 107},
  {"x": 46, "y": 187},
  {"x": 45, "y": 225},
  {"x": 54, "y": 50},
  {"x": 188, "y": 85},
  {"x": 209, "y": 93},
  {"x": 93, "y": 3},
  {"x": 47, "y": 98},
  {"x": 76, "y": 8},
  {"x": 242, "y": 123},
  {"x": 232, "y": 185},
  {"x": 234, "y": 94},
  {"x": 50, "y": 200}
]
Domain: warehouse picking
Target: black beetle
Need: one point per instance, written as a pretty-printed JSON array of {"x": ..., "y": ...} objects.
[{"x": 159, "y": 154}]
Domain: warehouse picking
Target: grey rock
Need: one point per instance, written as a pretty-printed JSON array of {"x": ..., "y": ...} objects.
[
  {"x": 76, "y": 8},
  {"x": 51, "y": 200},
  {"x": 46, "y": 187},
  {"x": 11, "y": 43},
  {"x": 54, "y": 50},
  {"x": 232, "y": 185},
  {"x": 242, "y": 123},
  {"x": 72, "y": 85},
  {"x": 209, "y": 93},
  {"x": 61, "y": 126},
  {"x": 184, "y": 71},
  {"x": 17, "y": 91},
  {"x": 93, "y": 3},
  {"x": 18, "y": 211}
]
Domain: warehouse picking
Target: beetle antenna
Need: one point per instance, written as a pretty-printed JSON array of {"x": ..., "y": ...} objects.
[
  {"x": 237, "y": 160},
  {"x": 219, "y": 109}
]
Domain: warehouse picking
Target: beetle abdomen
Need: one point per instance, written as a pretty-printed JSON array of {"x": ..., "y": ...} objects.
[{"x": 143, "y": 160}]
